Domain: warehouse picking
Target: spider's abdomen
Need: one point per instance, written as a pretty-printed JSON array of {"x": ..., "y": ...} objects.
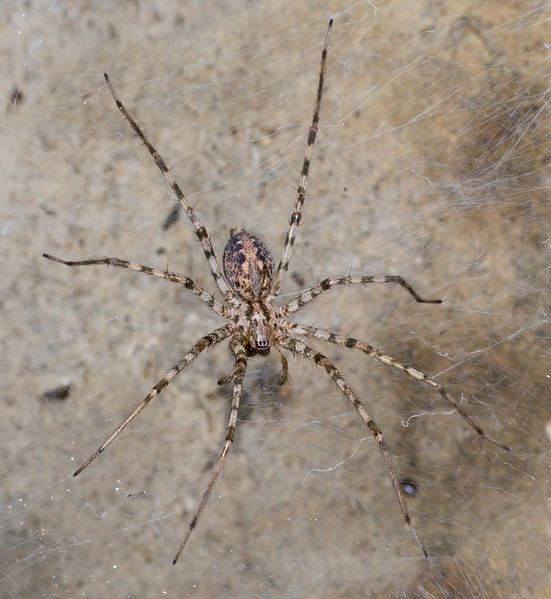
[{"x": 248, "y": 266}]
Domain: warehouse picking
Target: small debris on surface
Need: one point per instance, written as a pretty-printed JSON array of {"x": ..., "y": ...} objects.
[
  {"x": 16, "y": 97},
  {"x": 60, "y": 393},
  {"x": 408, "y": 486},
  {"x": 172, "y": 217}
]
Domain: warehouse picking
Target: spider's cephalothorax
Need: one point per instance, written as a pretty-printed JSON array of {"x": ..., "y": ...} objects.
[
  {"x": 249, "y": 267},
  {"x": 255, "y": 323}
]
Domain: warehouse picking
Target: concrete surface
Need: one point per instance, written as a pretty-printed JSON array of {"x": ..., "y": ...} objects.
[{"x": 432, "y": 162}]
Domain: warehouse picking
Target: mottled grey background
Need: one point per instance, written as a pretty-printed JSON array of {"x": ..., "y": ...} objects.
[{"x": 432, "y": 162}]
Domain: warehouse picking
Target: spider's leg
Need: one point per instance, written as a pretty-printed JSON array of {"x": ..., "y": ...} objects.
[
  {"x": 206, "y": 341},
  {"x": 225, "y": 379},
  {"x": 351, "y": 343},
  {"x": 301, "y": 190},
  {"x": 284, "y": 372},
  {"x": 298, "y": 347},
  {"x": 198, "y": 226},
  {"x": 281, "y": 379},
  {"x": 311, "y": 294},
  {"x": 167, "y": 275},
  {"x": 237, "y": 377}
]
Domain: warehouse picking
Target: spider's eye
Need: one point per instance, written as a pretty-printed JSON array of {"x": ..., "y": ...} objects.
[{"x": 261, "y": 346}]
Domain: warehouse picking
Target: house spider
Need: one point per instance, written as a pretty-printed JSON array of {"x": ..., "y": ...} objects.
[{"x": 249, "y": 286}]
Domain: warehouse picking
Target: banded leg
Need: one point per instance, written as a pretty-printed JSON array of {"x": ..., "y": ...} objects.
[
  {"x": 167, "y": 275},
  {"x": 216, "y": 336},
  {"x": 284, "y": 372},
  {"x": 159, "y": 161},
  {"x": 311, "y": 294},
  {"x": 369, "y": 350},
  {"x": 225, "y": 378},
  {"x": 237, "y": 377},
  {"x": 297, "y": 212},
  {"x": 297, "y": 347}
]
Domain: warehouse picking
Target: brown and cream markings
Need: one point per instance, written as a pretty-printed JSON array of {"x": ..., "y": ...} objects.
[{"x": 256, "y": 323}]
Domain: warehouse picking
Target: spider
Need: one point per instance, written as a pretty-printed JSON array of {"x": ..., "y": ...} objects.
[{"x": 256, "y": 324}]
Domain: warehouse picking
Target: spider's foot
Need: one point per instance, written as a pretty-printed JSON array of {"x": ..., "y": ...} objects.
[
  {"x": 224, "y": 380},
  {"x": 53, "y": 258},
  {"x": 496, "y": 443},
  {"x": 282, "y": 378}
]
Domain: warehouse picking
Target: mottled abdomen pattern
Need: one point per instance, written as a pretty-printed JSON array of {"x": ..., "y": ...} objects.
[{"x": 248, "y": 266}]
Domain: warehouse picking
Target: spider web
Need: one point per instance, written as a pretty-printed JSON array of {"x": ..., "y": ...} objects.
[{"x": 432, "y": 162}]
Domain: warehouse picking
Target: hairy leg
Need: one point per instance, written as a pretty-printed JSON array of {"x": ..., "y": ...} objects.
[
  {"x": 284, "y": 372},
  {"x": 297, "y": 212},
  {"x": 200, "y": 230},
  {"x": 206, "y": 341},
  {"x": 311, "y": 294},
  {"x": 300, "y": 348},
  {"x": 167, "y": 275},
  {"x": 237, "y": 377},
  {"x": 351, "y": 343}
]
